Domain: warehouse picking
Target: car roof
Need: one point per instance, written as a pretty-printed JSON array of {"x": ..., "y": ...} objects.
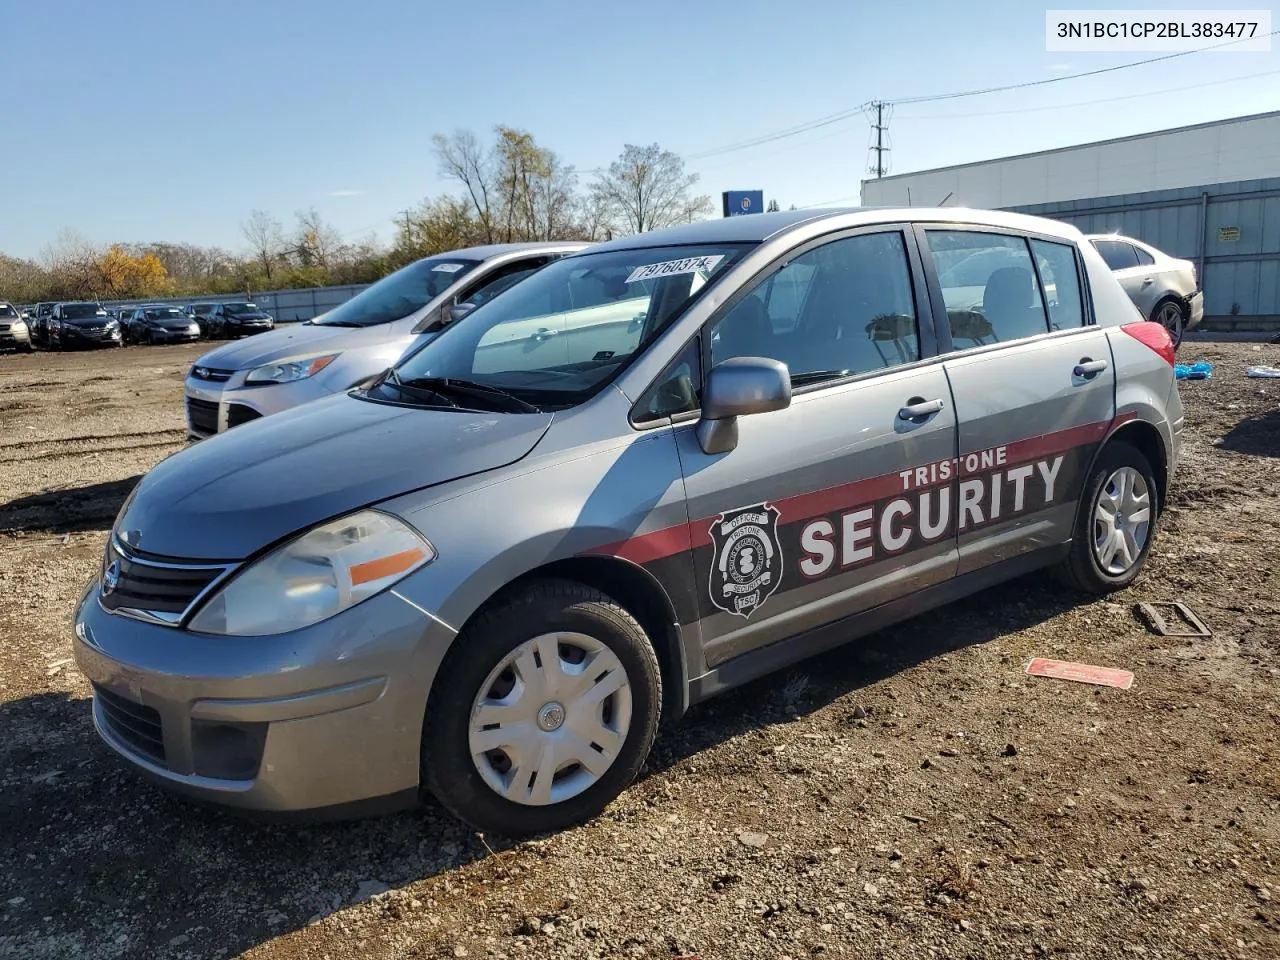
[
  {"x": 758, "y": 227},
  {"x": 491, "y": 250}
]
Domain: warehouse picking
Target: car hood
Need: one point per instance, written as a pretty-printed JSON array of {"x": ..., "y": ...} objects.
[
  {"x": 283, "y": 343},
  {"x": 237, "y": 492},
  {"x": 86, "y": 321},
  {"x": 172, "y": 323}
]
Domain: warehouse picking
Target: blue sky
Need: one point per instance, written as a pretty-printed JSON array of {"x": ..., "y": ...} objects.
[{"x": 141, "y": 120}]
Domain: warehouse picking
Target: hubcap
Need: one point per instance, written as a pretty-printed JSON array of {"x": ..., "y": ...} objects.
[
  {"x": 1170, "y": 317},
  {"x": 550, "y": 719},
  {"x": 1121, "y": 521}
]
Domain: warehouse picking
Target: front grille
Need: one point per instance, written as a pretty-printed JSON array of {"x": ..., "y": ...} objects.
[
  {"x": 210, "y": 374},
  {"x": 238, "y": 413},
  {"x": 135, "y": 724},
  {"x": 135, "y": 584},
  {"x": 203, "y": 415}
]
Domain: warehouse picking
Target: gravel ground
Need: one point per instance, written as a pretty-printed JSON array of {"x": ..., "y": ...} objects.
[{"x": 914, "y": 795}]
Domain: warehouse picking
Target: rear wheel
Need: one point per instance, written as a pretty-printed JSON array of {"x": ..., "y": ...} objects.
[
  {"x": 543, "y": 712},
  {"x": 1172, "y": 315},
  {"x": 1116, "y": 523}
]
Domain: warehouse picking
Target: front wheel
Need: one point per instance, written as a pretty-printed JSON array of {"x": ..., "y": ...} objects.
[
  {"x": 543, "y": 712},
  {"x": 1116, "y": 522}
]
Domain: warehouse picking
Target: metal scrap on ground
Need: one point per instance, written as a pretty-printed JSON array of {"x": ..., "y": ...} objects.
[{"x": 1150, "y": 613}]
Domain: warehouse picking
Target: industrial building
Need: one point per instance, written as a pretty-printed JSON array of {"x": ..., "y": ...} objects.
[{"x": 1208, "y": 192}]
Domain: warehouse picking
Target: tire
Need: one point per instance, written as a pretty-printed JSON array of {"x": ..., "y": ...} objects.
[
  {"x": 1085, "y": 568},
  {"x": 1171, "y": 313},
  {"x": 151, "y": 339},
  {"x": 581, "y": 618},
  {"x": 27, "y": 347}
]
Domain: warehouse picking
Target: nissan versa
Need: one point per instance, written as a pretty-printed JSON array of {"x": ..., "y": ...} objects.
[
  {"x": 649, "y": 473},
  {"x": 355, "y": 341}
]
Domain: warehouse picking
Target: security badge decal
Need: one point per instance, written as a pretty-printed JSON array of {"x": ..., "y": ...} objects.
[{"x": 747, "y": 565}]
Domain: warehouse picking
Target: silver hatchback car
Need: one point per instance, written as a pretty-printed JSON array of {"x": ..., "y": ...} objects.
[
  {"x": 649, "y": 473},
  {"x": 273, "y": 371}
]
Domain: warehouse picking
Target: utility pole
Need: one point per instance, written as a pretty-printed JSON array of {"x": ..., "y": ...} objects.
[{"x": 880, "y": 166}]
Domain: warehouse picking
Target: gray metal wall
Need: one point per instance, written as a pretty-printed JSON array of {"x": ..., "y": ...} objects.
[
  {"x": 287, "y": 306},
  {"x": 1240, "y": 277}
]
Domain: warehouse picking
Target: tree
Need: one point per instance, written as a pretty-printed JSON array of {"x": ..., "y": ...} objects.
[
  {"x": 647, "y": 188},
  {"x": 122, "y": 276},
  {"x": 463, "y": 159},
  {"x": 72, "y": 263},
  {"x": 266, "y": 237},
  {"x": 317, "y": 244}
]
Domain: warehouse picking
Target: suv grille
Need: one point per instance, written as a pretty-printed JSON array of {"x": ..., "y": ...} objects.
[
  {"x": 163, "y": 589},
  {"x": 203, "y": 415},
  {"x": 211, "y": 374},
  {"x": 135, "y": 724}
]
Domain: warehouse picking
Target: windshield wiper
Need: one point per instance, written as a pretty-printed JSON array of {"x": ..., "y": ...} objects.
[
  {"x": 339, "y": 323},
  {"x": 468, "y": 389}
]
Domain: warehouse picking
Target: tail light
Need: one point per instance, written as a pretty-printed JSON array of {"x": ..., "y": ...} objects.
[{"x": 1152, "y": 335}]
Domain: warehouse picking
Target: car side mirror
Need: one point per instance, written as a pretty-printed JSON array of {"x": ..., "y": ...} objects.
[
  {"x": 460, "y": 310},
  {"x": 740, "y": 387}
]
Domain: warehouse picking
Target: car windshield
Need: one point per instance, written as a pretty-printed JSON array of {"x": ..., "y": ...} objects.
[
  {"x": 79, "y": 311},
  {"x": 203, "y": 309},
  {"x": 558, "y": 337},
  {"x": 166, "y": 313},
  {"x": 396, "y": 296},
  {"x": 7, "y": 311},
  {"x": 240, "y": 309}
]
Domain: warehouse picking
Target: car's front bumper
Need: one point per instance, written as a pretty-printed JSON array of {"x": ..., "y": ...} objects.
[
  {"x": 72, "y": 337},
  {"x": 247, "y": 329},
  {"x": 174, "y": 336},
  {"x": 213, "y": 407},
  {"x": 12, "y": 337},
  {"x": 325, "y": 717}
]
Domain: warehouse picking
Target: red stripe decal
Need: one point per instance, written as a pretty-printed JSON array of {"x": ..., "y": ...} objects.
[{"x": 671, "y": 540}]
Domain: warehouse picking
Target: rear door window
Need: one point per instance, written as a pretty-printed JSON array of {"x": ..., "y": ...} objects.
[
  {"x": 988, "y": 285},
  {"x": 1060, "y": 279},
  {"x": 1117, "y": 254}
]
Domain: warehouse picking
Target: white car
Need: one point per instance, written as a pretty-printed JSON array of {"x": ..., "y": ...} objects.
[{"x": 1163, "y": 288}]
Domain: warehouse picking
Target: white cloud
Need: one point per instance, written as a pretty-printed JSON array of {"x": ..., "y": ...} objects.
[{"x": 346, "y": 193}]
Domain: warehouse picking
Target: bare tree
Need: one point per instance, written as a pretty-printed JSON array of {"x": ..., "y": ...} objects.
[
  {"x": 647, "y": 188},
  {"x": 72, "y": 262},
  {"x": 266, "y": 237},
  {"x": 317, "y": 243},
  {"x": 463, "y": 159}
]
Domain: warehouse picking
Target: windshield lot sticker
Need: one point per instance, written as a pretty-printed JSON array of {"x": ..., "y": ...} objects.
[
  {"x": 669, "y": 268},
  {"x": 747, "y": 566},
  {"x": 446, "y": 267}
]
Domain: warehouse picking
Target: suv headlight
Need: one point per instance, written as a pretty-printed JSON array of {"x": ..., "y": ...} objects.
[
  {"x": 315, "y": 576},
  {"x": 291, "y": 370}
]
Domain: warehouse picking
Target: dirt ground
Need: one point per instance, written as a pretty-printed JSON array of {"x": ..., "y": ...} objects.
[{"x": 913, "y": 795}]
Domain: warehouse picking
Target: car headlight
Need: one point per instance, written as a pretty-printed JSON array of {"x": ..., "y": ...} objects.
[
  {"x": 321, "y": 573},
  {"x": 291, "y": 370}
]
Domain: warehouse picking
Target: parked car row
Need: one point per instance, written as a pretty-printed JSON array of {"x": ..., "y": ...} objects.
[
  {"x": 78, "y": 324},
  {"x": 640, "y": 474}
]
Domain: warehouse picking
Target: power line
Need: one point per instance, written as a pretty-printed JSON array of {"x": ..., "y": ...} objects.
[
  {"x": 854, "y": 111},
  {"x": 1086, "y": 103},
  {"x": 1071, "y": 76}
]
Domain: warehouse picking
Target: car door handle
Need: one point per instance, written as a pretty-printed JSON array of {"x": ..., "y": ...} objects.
[
  {"x": 1146, "y": 281},
  {"x": 1087, "y": 368},
  {"x": 544, "y": 334},
  {"x": 919, "y": 409}
]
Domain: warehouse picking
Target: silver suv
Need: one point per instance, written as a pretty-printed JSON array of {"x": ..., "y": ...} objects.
[
  {"x": 648, "y": 473},
  {"x": 357, "y": 340}
]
